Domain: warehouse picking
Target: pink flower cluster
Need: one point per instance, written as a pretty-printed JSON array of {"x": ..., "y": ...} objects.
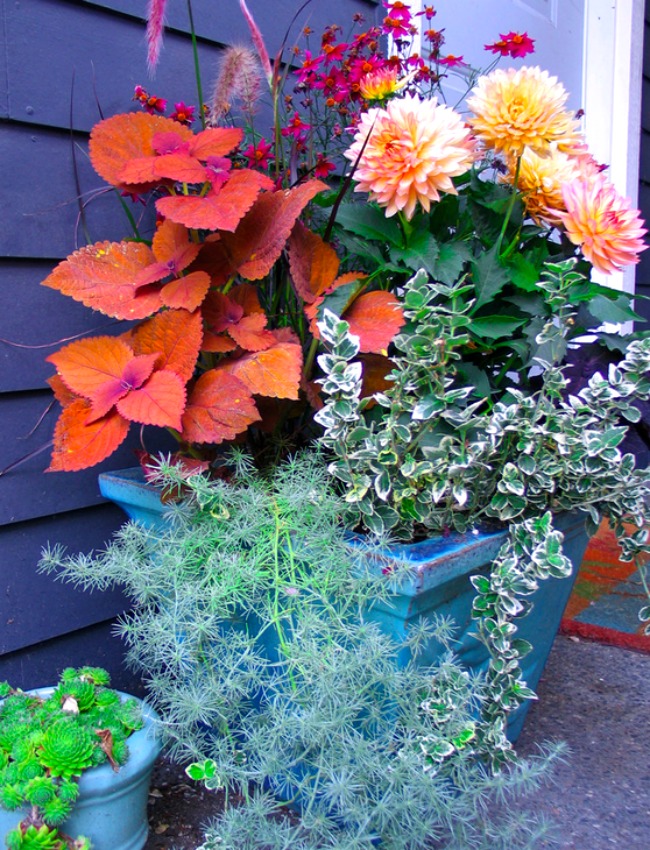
[{"x": 182, "y": 113}]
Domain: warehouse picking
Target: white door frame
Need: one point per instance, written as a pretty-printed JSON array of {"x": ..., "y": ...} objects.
[{"x": 612, "y": 75}]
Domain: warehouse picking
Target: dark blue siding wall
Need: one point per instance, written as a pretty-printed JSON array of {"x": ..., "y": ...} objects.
[{"x": 63, "y": 63}]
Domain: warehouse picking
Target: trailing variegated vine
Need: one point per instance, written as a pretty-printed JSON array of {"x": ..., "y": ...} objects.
[{"x": 428, "y": 453}]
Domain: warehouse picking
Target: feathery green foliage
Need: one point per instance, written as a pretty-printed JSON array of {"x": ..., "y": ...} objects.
[{"x": 250, "y": 623}]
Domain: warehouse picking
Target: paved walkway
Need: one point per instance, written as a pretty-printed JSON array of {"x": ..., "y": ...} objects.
[{"x": 597, "y": 699}]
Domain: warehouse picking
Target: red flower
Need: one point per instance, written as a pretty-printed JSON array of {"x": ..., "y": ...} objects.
[
  {"x": 259, "y": 155},
  {"x": 513, "y": 44},
  {"x": 323, "y": 166},
  {"x": 451, "y": 61},
  {"x": 398, "y": 11},
  {"x": 149, "y": 102},
  {"x": 335, "y": 52},
  {"x": 308, "y": 67},
  {"x": 182, "y": 113},
  {"x": 428, "y": 11},
  {"x": 296, "y": 127},
  {"x": 395, "y": 27}
]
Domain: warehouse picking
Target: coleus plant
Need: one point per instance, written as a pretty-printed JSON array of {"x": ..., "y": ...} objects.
[
  {"x": 208, "y": 339},
  {"x": 226, "y": 295}
]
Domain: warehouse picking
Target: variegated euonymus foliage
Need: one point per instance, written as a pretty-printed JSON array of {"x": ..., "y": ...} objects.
[{"x": 427, "y": 453}]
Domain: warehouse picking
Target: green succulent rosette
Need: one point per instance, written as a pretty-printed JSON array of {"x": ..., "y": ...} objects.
[
  {"x": 67, "y": 748},
  {"x": 11, "y": 796},
  {"x": 40, "y": 790},
  {"x": 56, "y": 811},
  {"x": 34, "y": 838}
]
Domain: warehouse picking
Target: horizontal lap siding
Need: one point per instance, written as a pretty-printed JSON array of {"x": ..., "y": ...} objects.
[{"x": 62, "y": 64}]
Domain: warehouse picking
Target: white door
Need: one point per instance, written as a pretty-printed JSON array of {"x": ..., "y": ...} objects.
[{"x": 557, "y": 26}]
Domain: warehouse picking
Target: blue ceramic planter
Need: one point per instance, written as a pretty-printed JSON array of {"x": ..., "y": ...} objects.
[
  {"x": 111, "y": 809},
  {"x": 438, "y": 583}
]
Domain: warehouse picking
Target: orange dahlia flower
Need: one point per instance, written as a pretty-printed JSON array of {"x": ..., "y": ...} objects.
[
  {"x": 413, "y": 149},
  {"x": 602, "y": 222},
  {"x": 515, "y": 109},
  {"x": 541, "y": 178}
]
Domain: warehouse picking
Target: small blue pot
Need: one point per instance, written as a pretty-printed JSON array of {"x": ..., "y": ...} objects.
[
  {"x": 438, "y": 584},
  {"x": 111, "y": 809}
]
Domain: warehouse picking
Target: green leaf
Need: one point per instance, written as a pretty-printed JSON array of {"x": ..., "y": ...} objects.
[
  {"x": 489, "y": 276},
  {"x": 449, "y": 265},
  {"x": 339, "y": 300},
  {"x": 421, "y": 252},
  {"x": 370, "y": 222},
  {"x": 523, "y": 273},
  {"x": 612, "y": 310},
  {"x": 494, "y": 327}
]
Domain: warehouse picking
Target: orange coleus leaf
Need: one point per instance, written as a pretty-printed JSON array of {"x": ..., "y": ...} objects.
[
  {"x": 215, "y": 141},
  {"x": 174, "y": 336},
  {"x": 102, "y": 276},
  {"x": 376, "y": 318},
  {"x": 102, "y": 370},
  {"x": 219, "y": 408},
  {"x": 245, "y": 294},
  {"x": 274, "y": 372},
  {"x": 250, "y": 333},
  {"x": 260, "y": 238},
  {"x": 178, "y": 167},
  {"x": 220, "y": 208},
  {"x": 217, "y": 343},
  {"x": 314, "y": 264},
  {"x": 187, "y": 292},
  {"x": 220, "y": 312},
  {"x": 173, "y": 251},
  {"x": 79, "y": 444},
  {"x": 117, "y": 141},
  {"x": 62, "y": 394},
  {"x": 180, "y": 160},
  {"x": 160, "y": 401}
]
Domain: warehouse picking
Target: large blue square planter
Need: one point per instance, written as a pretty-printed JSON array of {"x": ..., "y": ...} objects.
[{"x": 438, "y": 583}]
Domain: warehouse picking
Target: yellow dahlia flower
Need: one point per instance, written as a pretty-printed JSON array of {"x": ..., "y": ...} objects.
[
  {"x": 602, "y": 222},
  {"x": 518, "y": 108},
  {"x": 413, "y": 150},
  {"x": 380, "y": 84},
  {"x": 541, "y": 178}
]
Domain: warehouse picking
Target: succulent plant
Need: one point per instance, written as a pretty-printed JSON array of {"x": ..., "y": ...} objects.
[
  {"x": 34, "y": 838},
  {"x": 67, "y": 749},
  {"x": 47, "y": 742}
]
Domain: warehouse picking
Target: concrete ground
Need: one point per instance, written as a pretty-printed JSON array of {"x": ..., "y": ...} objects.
[{"x": 597, "y": 699}]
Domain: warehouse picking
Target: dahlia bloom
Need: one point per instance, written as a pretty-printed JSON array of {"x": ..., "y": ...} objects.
[
  {"x": 541, "y": 178},
  {"x": 514, "y": 109},
  {"x": 413, "y": 150},
  {"x": 602, "y": 222},
  {"x": 380, "y": 84}
]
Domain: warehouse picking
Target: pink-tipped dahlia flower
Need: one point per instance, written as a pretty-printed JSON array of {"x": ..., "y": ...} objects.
[
  {"x": 602, "y": 222},
  {"x": 518, "y": 108},
  {"x": 414, "y": 148}
]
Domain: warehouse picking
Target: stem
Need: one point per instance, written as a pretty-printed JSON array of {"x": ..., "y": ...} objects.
[
  {"x": 511, "y": 206},
  {"x": 197, "y": 68}
]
